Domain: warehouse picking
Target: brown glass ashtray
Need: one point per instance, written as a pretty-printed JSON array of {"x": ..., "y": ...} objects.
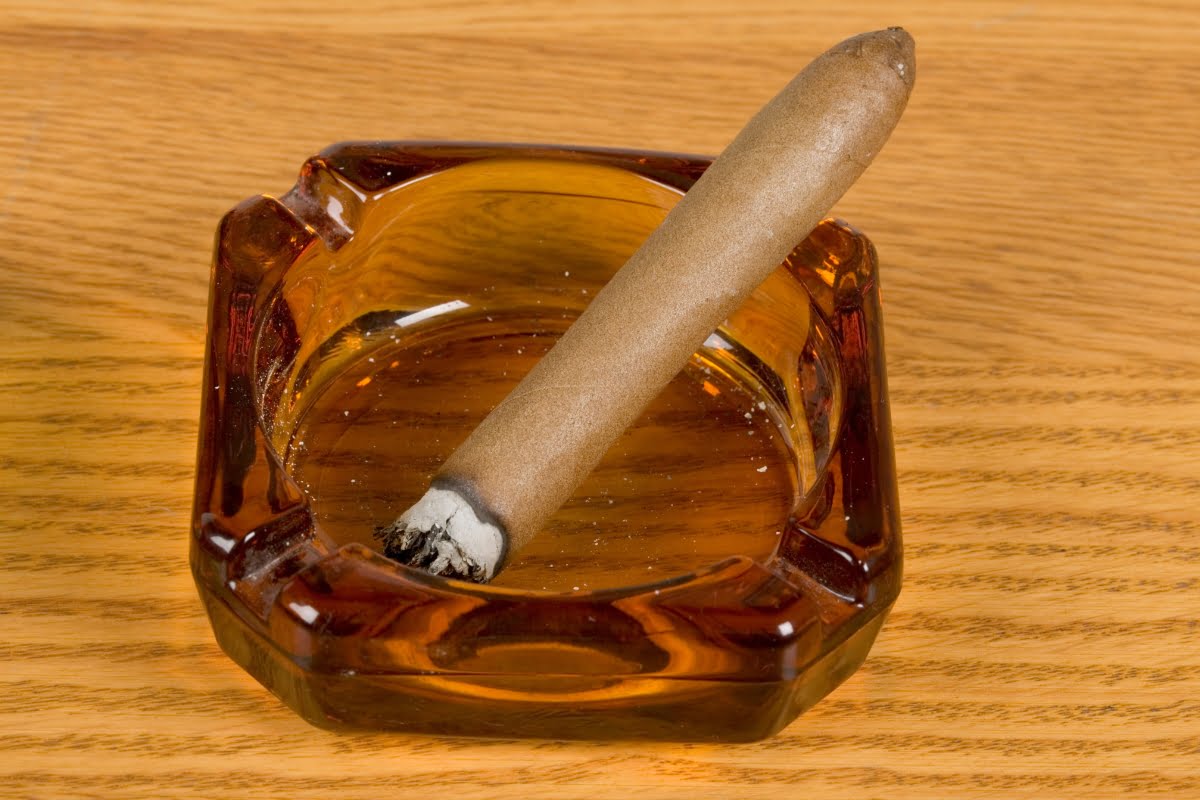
[{"x": 728, "y": 564}]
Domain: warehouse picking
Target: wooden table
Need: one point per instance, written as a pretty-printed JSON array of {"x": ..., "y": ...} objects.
[{"x": 1037, "y": 217}]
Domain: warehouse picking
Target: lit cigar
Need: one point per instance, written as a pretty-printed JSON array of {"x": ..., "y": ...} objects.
[{"x": 765, "y": 193}]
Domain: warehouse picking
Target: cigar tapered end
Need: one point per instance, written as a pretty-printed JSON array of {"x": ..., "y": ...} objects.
[
  {"x": 892, "y": 47},
  {"x": 442, "y": 534}
]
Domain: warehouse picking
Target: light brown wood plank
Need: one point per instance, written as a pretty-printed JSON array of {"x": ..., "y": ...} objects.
[{"x": 1037, "y": 216}]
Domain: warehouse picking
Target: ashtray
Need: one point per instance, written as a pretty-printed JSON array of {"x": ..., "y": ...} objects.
[{"x": 728, "y": 564}]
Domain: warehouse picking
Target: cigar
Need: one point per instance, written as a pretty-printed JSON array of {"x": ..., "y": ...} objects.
[{"x": 764, "y": 194}]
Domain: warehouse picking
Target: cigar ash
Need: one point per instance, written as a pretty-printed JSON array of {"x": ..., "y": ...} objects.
[{"x": 444, "y": 533}]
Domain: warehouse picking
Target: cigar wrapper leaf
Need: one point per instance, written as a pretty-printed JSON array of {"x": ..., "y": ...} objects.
[{"x": 765, "y": 193}]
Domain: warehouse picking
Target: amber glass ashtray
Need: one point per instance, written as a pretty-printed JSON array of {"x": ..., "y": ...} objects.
[{"x": 728, "y": 564}]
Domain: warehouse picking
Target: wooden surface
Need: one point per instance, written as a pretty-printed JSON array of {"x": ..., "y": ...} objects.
[{"x": 1037, "y": 218}]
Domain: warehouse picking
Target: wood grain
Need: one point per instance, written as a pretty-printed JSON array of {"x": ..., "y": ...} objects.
[{"x": 1037, "y": 219}]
